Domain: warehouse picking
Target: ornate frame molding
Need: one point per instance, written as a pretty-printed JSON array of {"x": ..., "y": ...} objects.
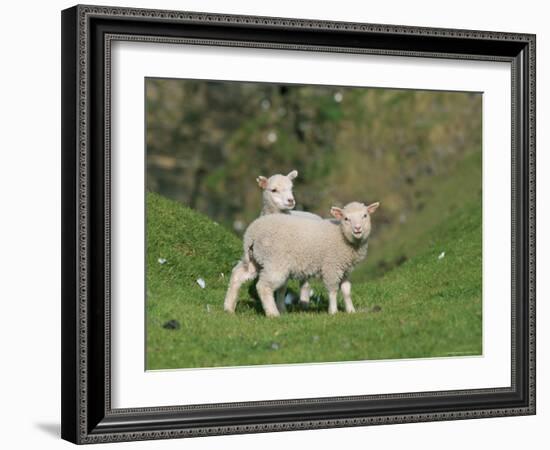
[{"x": 80, "y": 419}]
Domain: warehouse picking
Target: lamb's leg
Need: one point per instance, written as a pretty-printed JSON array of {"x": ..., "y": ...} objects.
[
  {"x": 240, "y": 274},
  {"x": 332, "y": 301},
  {"x": 267, "y": 284},
  {"x": 268, "y": 302},
  {"x": 305, "y": 294},
  {"x": 346, "y": 291},
  {"x": 280, "y": 295}
]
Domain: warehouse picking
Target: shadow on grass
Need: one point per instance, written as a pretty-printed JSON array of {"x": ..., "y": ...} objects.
[{"x": 317, "y": 304}]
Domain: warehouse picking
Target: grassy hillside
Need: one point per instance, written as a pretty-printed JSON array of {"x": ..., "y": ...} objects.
[
  {"x": 436, "y": 202},
  {"x": 421, "y": 305}
]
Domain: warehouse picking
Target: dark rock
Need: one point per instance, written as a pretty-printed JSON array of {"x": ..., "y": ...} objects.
[
  {"x": 376, "y": 308},
  {"x": 171, "y": 325},
  {"x": 400, "y": 260}
]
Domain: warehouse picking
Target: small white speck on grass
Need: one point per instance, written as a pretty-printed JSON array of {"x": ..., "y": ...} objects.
[
  {"x": 289, "y": 298},
  {"x": 441, "y": 255},
  {"x": 271, "y": 137},
  {"x": 274, "y": 346},
  {"x": 162, "y": 261},
  {"x": 207, "y": 308},
  {"x": 222, "y": 275},
  {"x": 201, "y": 283},
  {"x": 338, "y": 97}
]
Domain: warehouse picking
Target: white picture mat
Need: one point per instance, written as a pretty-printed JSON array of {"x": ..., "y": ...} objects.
[{"x": 132, "y": 386}]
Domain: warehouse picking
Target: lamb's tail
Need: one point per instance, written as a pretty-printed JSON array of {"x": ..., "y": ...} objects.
[
  {"x": 248, "y": 245},
  {"x": 245, "y": 270},
  {"x": 248, "y": 267}
]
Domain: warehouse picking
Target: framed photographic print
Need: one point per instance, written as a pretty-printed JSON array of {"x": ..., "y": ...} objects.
[{"x": 280, "y": 224}]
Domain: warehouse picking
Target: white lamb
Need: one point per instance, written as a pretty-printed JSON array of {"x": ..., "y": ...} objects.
[
  {"x": 278, "y": 198},
  {"x": 280, "y": 246}
]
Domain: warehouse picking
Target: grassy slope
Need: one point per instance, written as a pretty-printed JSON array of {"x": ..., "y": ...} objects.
[
  {"x": 425, "y": 307},
  {"x": 436, "y": 201}
]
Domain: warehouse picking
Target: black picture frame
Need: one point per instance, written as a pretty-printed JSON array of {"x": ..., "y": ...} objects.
[{"x": 87, "y": 32}]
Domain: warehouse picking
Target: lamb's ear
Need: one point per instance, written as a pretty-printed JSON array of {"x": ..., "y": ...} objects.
[
  {"x": 262, "y": 181},
  {"x": 336, "y": 212},
  {"x": 373, "y": 207},
  {"x": 292, "y": 175}
]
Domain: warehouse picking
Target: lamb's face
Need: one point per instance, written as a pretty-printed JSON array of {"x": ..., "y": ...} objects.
[
  {"x": 355, "y": 220},
  {"x": 278, "y": 190}
]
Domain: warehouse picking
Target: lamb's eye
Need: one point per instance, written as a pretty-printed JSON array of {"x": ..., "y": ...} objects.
[
  {"x": 346, "y": 219},
  {"x": 365, "y": 216},
  {"x": 273, "y": 190}
]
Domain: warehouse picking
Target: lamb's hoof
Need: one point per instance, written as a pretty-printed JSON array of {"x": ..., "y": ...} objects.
[
  {"x": 271, "y": 314},
  {"x": 229, "y": 310},
  {"x": 332, "y": 311},
  {"x": 350, "y": 310}
]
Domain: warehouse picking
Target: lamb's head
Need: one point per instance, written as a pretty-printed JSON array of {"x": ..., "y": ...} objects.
[
  {"x": 277, "y": 191},
  {"x": 355, "y": 220}
]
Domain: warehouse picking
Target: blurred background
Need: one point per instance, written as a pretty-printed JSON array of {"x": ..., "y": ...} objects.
[{"x": 208, "y": 141}]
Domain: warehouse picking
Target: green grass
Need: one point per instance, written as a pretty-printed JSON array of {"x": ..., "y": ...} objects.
[{"x": 422, "y": 307}]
